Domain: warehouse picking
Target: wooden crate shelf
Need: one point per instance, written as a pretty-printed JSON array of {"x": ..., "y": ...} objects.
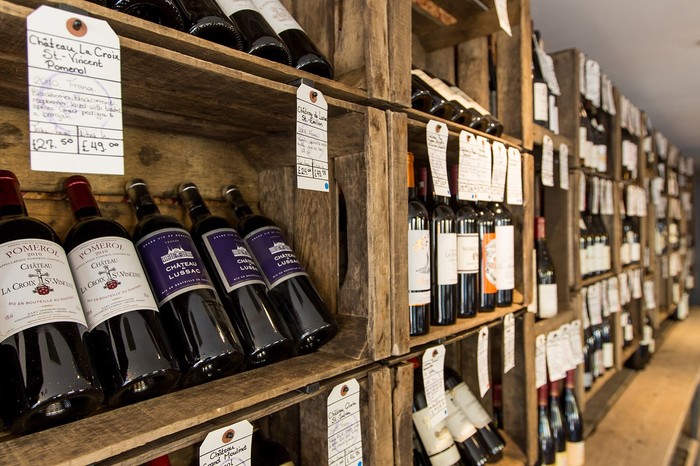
[{"x": 544, "y": 326}]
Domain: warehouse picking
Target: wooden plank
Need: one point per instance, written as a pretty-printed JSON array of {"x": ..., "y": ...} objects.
[
  {"x": 402, "y": 402},
  {"x": 525, "y": 235},
  {"x": 399, "y": 24},
  {"x": 544, "y": 326},
  {"x": 539, "y": 132},
  {"x": 473, "y": 70},
  {"x": 441, "y": 63},
  {"x": 379, "y": 419},
  {"x": 566, "y": 68}
]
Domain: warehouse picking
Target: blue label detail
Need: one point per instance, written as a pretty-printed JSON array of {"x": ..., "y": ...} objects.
[
  {"x": 274, "y": 256},
  {"x": 234, "y": 263},
  {"x": 172, "y": 264}
]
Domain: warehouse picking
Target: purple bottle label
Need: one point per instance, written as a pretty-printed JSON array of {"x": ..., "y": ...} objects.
[
  {"x": 274, "y": 256},
  {"x": 233, "y": 261},
  {"x": 172, "y": 264}
]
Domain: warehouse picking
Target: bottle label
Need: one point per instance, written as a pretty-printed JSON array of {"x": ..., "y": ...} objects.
[
  {"x": 234, "y": 263},
  {"x": 172, "y": 264},
  {"x": 234, "y": 6},
  {"x": 540, "y": 102},
  {"x": 457, "y": 421},
  {"x": 274, "y": 256},
  {"x": 548, "y": 300},
  {"x": 588, "y": 379},
  {"x": 647, "y": 335},
  {"x": 606, "y": 265},
  {"x": 488, "y": 263},
  {"x": 277, "y": 15},
  {"x": 505, "y": 257},
  {"x": 575, "y": 453},
  {"x": 110, "y": 279},
  {"x": 447, "y": 258},
  {"x": 418, "y": 267},
  {"x": 636, "y": 254},
  {"x": 629, "y": 332},
  {"x": 436, "y": 438},
  {"x": 465, "y": 399},
  {"x": 582, "y": 138},
  {"x": 608, "y": 355},
  {"x": 468, "y": 253},
  {"x": 36, "y": 286}
]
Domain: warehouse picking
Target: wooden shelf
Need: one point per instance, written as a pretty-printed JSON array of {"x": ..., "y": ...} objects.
[
  {"x": 599, "y": 278},
  {"x": 630, "y": 350},
  {"x": 598, "y": 406},
  {"x": 545, "y": 326},
  {"x": 539, "y": 132},
  {"x": 599, "y": 384}
]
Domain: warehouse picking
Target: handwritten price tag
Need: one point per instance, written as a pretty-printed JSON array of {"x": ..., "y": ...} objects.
[
  {"x": 312, "y": 139},
  {"x": 434, "y": 383},
  {"x": 228, "y": 445},
  {"x": 436, "y": 138},
  {"x": 344, "y": 432}
]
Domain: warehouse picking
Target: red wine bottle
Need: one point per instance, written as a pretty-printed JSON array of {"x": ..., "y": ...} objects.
[
  {"x": 608, "y": 345},
  {"x": 547, "y": 452},
  {"x": 556, "y": 423},
  {"x": 126, "y": 340},
  {"x": 573, "y": 422},
  {"x": 505, "y": 254},
  {"x": 258, "y": 37},
  {"x": 205, "y": 19},
  {"x": 547, "y": 299},
  {"x": 46, "y": 376},
  {"x": 421, "y": 99},
  {"x": 418, "y": 259},
  {"x": 305, "y": 55},
  {"x": 441, "y": 107},
  {"x": 464, "y": 434},
  {"x": 201, "y": 334},
  {"x": 540, "y": 90},
  {"x": 238, "y": 282},
  {"x": 164, "y": 12},
  {"x": 467, "y": 251},
  {"x": 487, "y": 258},
  {"x": 289, "y": 286}
]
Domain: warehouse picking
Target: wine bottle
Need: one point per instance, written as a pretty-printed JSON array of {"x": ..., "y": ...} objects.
[
  {"x": 46, "y": 376},
  {"x": 556, "y": 424},
  {"x": 467, "y": 251},
  {"x": 305, "y": 55},
  {"x": 164, "y": 12},
  {"x": 464, "y": 434},
  {"x": 497, "y": 401},
  {"x": 289, "y": 287},
  {"x": 205, "y": 19},
  {"x": 487, "y": 257},
  {"x": 201, "y": 334},
  {"x": 588, "y": 349},
  {"x": 583, "y": 247},
  {"x": 505, "y": 254},
  {"x": 436, "y": 438},
  {"x": 443, "y": 256},
  {"x": 547, "y": 452},
  {"x": 575, "y": 449},
  {"x": 627, "y": 327},
  {"x": 419, "y": 288},
  {"x": 540, "y": 90},
  {"x": 258, "y": 37},
  {"x": 547, "y": 298},
  {"x": 583, "y": 131},
  {"x": 420, "y": 456},
  {"x": 238, "y": 282},
  {"x": 266, "y": 452},
  {"x": 487, "y": 434},
  {"x": 464, "y": 113},
  {"x": 126, "y": 340},
  {"x": 598, "y": 367},
  {"x": 421, "y": 99},
  {"x": 608, "y": 345},
  {"x": 492, "y": 125},
  {"x": 441, "y": 107}
]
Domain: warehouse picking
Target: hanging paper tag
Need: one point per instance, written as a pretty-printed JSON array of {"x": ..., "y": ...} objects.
[
  {"x": 484, "y": 193},
  {"x": 228, "y": 445},
  {"x": 436, "y": 137},
  {"x": 508, "y": 342},
  {"x": 75, "y": 95},
  {"x": 565, "y": 346},
  {"x": 344, "y": 431},
  {"x": 555, "y": 363},
  {"x": 434, "y": 383},
  {"x": 614, "y": 295},
  {"x": 500, "y": 170},
  {"x": 636, "y": 284},
  {"x": 593, "y": 82},
  {"x": 625, "y": 294},
  {"x": 576, "y": 342},
  {"x": 564, "y": 166},
  {"x": 585, "y": 313},
  {"x": 540, "y": 361},
  {"x": 595, "y": 304},
  {"x": 514, "y": 191},
  {"x": 581, "y": 192},
  {"x": 483, "y": 361},
  {"x": 312, "y": 139},
  {"x": 547, "y": 161},
  {"x": 649, "y": 295},
  {"x": 502, "y": 13},
  {"x": 471, "y": 163}
]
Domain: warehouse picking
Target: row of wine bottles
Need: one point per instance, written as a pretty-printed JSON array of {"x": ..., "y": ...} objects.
[
  {"x": 560, "y": 424},
  {"x": 594, "y": 245},
  {"x": 460, "y": 254},
  {"x": 442, "y": 99},
  {"x": 263, "y": 28},
  {"x": 545, "y": 87},
  {"x": 466, "y": 437},
  {"x": 108, "y": 318}
]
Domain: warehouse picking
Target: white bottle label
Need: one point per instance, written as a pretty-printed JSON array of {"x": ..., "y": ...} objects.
[
  {"x": 629, "y": 332},
  {"x": 110, "y": 279},
  {"x": 540, "y": 101},
  {"x": 234, "y": 6},
  {"x": 418, "y": 267},
  {"x": 435, "y": 439},
  {"x": 608, "y": 355},
  {"x": 647, "y": 335},
  {"x": 505, "y": 258},
  {"x": 468, "y": 253},
  {"x": 583, "y": 259},
  {"x": 276, "y": 15},
  {"x": 36, "y": 286},
  {"x": 636, "y": 252},
  {"x": 607, "y": 264},
  {"x": 548, "y": 300},
  {"x": 465, "y": 399},
  {"x": 625, "y": 253},
  {"x": 575, "y": 453},
  {"x": 582, "y": 138},
  {"x": 447, "y": 258},
  {"x": 457, "y": 421},
  {"x": 587, "y": 379}
]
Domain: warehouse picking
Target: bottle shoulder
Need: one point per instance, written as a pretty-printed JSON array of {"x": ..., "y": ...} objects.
[
  {"x": 91, "y": 228},
  {"x": 209, "y": 223},
  {"x": 17, "y": 228},
  {"x": 153, "y": 223}
]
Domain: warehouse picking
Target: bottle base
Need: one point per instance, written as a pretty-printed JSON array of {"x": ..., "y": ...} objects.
[
  {"x": 144, "y": 387},
  {"x": 212, "y": 368}
]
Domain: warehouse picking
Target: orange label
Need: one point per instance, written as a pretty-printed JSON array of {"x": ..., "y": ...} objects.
[{"x": 488, "y": 263}]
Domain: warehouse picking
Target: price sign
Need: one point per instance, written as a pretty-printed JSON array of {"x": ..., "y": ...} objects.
[
  {"x": 547, "y": 161},
  {"x": 436, "y": 137},
  {"x": 344, "y": 430},
  {"x": 555, "y": 360},
  {"x": 514, "y": 195},
  {"x": 483, "y": 361},
  {"x": 540, "y": 361},
  {"x": 434, "y": 383},
  {"x": 564, "y": 166},
  {"x": 312, "y": 139},
  {"x": 228, "y": 445},
  {"x": 472, "y": 166},
  {"x": 500, "y": 169}
]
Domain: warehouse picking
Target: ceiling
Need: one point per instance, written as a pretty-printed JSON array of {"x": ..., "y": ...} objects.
[{"x": 650, "y": 50}]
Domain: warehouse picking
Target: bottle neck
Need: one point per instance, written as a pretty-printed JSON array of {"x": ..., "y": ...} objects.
[
  {"x": 543, "y": 396},
  {"x": 140, "y": 197},
  {"x": 82, "y": 201},
  {"x": 11, "y": 202},
  {"x": 540, "y": 229},
  {"x": 233, "y": 197},
  {"x": 570, "y": 379},
  {"x": 193, "y": 202}
]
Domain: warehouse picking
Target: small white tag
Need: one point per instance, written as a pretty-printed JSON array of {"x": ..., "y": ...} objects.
[
  {"x": 576, "y": 343},
  {"x": 555, "y": 363},
  {"x": 636, "y": 284},
  {"x": 514, "y": 194},
  {"x": 434, "y": 383},
  {"x": 565, "y": 347},
  {"x": 502, "y": 13},
  {"x": 582, "y": 73},
  {"x": 625, "y": 293},
  {"x": 75, "y": 95},
  {"x": 228, "y": 445},
  {"x": 581, "y": 192},
  {"x": 649, "y": 295},
  {"x": 508, "y": 342},
  {"x": 486, "y": 157},
  {"x": 564, "y": 166},
  {"x": 614, "y": 295},
  {"x": 344, "y": 430},
  {"x": 471, "y": 162},
  {"x": 547, "y": 161},
  {"x": 483, "y": 361},
  {"x": 593, "y": 82},
  {"x": 595, "y": 304},
  {"x": 436, "y": 137},
  {"x": 312, "y": 139},
  {"x": 540, "y": 361},
  {"x": 500, "y": 170}
]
